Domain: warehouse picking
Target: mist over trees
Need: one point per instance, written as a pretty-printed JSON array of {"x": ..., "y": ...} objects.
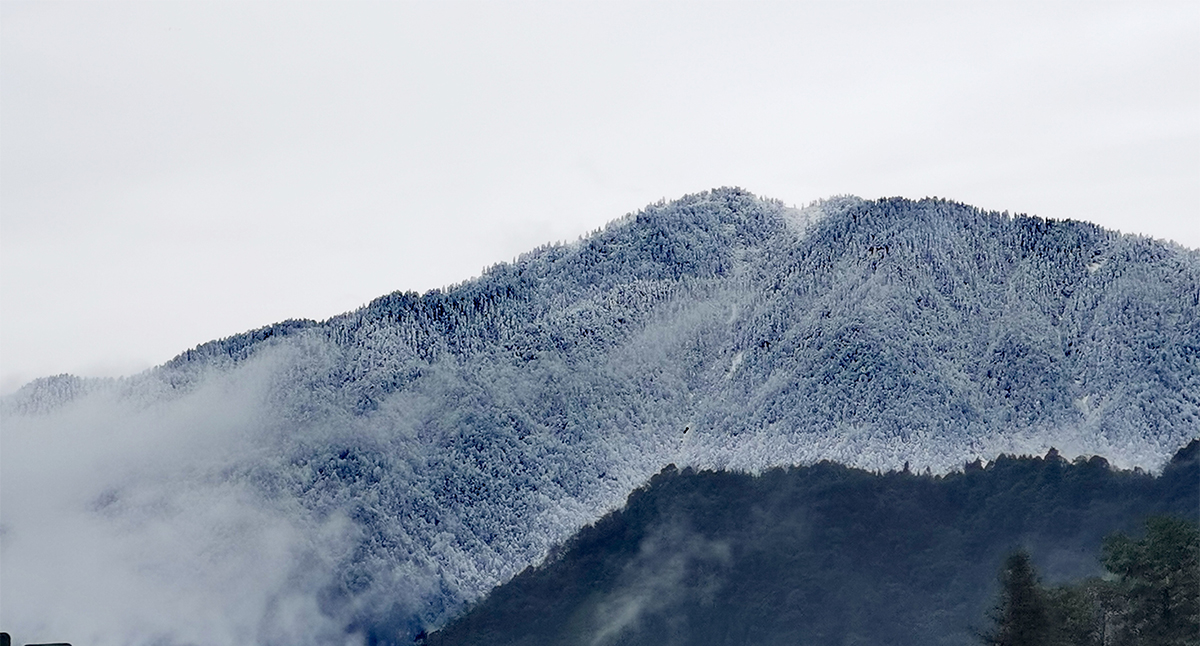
[
  {"x": 406, "y": 457},
  {"x": 1150, "y": 595},
  {"x": 832, "y": 555}
]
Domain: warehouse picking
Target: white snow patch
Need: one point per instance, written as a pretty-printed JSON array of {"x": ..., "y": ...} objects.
[
  {"x": 801, "y": 220},
  {"x": 733, "y": 365},
  {"x": 1084, "y": 404}
]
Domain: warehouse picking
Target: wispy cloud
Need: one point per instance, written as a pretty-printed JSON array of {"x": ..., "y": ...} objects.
[{"x": 672, "y": 563}]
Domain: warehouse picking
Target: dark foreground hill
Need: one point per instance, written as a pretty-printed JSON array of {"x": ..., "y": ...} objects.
[
  {"x": 368, "y": 475},
  {"x": 822, "y": 554}
]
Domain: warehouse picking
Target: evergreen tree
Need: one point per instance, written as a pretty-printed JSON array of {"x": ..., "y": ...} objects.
[{"x": 1023, "y": 616}]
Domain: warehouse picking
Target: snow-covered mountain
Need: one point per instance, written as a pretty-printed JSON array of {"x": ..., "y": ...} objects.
[{"x": 365, "y": 476}]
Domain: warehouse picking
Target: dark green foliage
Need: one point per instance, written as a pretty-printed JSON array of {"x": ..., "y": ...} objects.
[
  {"x": 832, "y": 555},
  {"x": 1024, "y": 615},
  {"x": 1159, "y": 581},
  {"x": 1150, "y": 596},
  {"x": 1083, "y": 613}
]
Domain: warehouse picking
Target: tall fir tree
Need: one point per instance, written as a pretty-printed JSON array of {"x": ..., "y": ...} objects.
[{"x": 1023, "y": 616}]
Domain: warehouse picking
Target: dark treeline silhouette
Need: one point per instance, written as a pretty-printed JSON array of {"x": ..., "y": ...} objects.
[{"x": 832, "y": 555}]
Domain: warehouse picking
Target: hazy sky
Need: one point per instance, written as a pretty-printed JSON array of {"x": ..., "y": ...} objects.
[{"x": 174, "y": 172}]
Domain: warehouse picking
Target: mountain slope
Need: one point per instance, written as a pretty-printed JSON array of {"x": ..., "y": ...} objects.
[
  {"x": 400, "y": 460},
  {"x": 821, "y": 554}
]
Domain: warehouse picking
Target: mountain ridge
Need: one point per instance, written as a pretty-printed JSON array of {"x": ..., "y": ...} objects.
[{"x": 441, "y": 442}]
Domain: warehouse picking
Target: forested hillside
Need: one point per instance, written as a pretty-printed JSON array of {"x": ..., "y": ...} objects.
[
  {"x": 400, "y": 460},
  {"x": 832, "y": 555}
]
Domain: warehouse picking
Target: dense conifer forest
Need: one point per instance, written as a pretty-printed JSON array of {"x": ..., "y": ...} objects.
[{"x": 833, "y": 555}]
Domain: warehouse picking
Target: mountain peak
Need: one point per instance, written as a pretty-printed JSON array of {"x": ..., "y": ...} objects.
[{"x": 450, "y": 438}]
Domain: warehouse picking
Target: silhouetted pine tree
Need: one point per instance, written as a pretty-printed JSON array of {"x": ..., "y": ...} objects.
[{"x": 1023, "y": 616}]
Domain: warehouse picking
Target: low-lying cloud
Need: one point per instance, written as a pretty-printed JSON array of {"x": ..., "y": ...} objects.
[{"x": 126, "y": 522}]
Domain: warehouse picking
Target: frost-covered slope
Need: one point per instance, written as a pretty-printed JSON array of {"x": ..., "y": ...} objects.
[{"x": 369, "y": 474}]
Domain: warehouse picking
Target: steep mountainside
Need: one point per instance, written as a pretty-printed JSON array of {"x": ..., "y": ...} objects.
[{"x": 402, "y": 459}]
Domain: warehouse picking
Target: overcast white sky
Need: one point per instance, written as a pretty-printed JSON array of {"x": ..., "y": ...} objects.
[{"x": 176, "y": 172}]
